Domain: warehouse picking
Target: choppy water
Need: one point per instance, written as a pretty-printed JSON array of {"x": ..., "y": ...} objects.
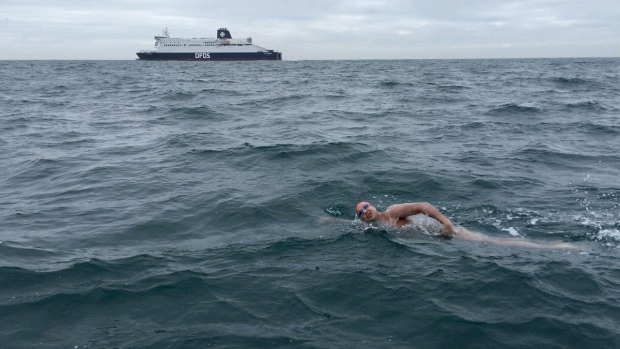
[{"x": 183, "y": 205}]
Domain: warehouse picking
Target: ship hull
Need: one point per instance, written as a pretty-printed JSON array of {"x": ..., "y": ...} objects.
[{"x": 210, "y": 56}]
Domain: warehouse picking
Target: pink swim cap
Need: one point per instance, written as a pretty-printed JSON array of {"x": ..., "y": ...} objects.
[{"x": 359, "y": 206}]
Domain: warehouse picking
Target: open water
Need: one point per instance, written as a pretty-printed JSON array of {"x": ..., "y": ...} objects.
[{"x": 194, "y": 205}]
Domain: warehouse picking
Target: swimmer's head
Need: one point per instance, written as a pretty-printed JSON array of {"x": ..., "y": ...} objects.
[{"x": 361, "y": 208}]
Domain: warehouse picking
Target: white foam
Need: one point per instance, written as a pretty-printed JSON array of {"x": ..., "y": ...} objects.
[
  {"x": 587, "y": 221},
  {"x": 512, "y": 231},
  {"x": 533, "y": 221},
  {"x": 333, "y": 211},
  {"x": 608, "y": 234}
]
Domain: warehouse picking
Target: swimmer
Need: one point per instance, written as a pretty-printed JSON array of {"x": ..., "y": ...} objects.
[{"x": 399, "y": 215}]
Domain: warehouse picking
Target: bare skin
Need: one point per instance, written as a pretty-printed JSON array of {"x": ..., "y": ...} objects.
[{"x": 398, "y": 216}]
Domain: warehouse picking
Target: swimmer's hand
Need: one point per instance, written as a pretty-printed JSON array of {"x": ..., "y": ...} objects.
[
  {"x": 325, "y": 220},
  {"x": 447, "y": 230}
]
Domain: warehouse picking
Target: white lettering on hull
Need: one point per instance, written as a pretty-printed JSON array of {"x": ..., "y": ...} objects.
[{"x": 203, "y": 55}]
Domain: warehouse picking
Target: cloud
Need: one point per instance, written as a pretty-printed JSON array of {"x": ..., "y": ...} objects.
[{"x": 319, "y": 29}]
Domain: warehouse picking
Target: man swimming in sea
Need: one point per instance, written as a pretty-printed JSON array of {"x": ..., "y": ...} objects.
[{"x": 401, "y": 215}]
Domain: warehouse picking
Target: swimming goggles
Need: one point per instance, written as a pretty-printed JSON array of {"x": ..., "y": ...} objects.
[{"x": 361, "y": 212}]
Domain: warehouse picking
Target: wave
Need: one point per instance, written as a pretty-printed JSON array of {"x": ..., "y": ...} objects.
[
  {"x": 511, "y": 109},
  {"x": 13, "y": 250},
  {"x": 318, "y": 153},
  {"x": 569, "y": 81},
  {"x": 598, "y": 129},
  {"x": 220, "y": 92},
  {"x": 308, "y": 290},
  {"x": 33, "y": 170},
  {"x": 173, "y": 96},
  {"x": 272, "y": 102},
  {"x": 192, "y": 112},
  {"x": 561, "y": 158},
  {"x": 475, "y": 125},
  {"x": 452, "y": 88},
  {"x": 486, "y": 184},
  {"x": 389, "y": 83},
  {"x": 586, "y": 105},
  {"x": 196, "y": 139},
  {"x": 596, "y": 126}
]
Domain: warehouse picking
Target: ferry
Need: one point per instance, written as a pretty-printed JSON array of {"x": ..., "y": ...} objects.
[{"x": 221, "y": 48}]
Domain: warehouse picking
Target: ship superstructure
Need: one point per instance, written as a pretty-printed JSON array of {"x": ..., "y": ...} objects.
[{"x": 221, "y": 48}]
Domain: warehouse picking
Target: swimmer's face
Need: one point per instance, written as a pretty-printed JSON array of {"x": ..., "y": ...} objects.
[{"x": 366, "y": 211}]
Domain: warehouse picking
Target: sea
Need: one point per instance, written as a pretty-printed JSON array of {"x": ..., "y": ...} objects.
[{"x": 212, "y": 204}]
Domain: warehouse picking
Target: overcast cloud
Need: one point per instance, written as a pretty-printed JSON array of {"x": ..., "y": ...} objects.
[{"x": 317, "y": 29}]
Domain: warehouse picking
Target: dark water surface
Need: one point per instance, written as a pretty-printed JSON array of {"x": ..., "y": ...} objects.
[{"x": 193, "y": 205}]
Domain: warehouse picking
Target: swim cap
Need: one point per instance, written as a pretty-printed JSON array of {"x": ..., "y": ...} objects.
[{"x": 359, "y": 206}]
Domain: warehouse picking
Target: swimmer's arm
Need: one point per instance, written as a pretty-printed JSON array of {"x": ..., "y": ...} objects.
[{"x": 409, "y": 209}]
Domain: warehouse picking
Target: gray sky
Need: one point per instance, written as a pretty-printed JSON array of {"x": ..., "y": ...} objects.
[{"x": 317, "y": 29}]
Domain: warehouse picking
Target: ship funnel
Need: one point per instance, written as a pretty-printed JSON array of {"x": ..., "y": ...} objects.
[{"x": 223, "y": 33}]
